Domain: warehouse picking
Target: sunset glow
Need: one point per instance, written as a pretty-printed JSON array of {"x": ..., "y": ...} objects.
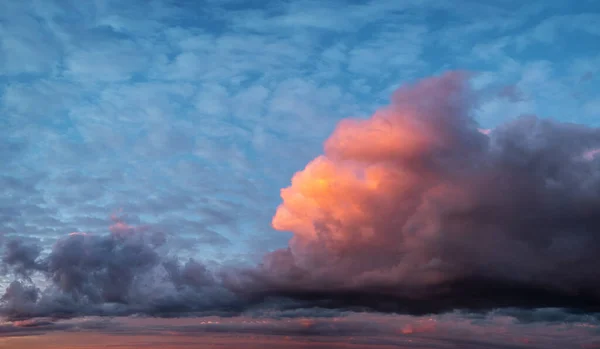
[{"x": 352, "y": 174}]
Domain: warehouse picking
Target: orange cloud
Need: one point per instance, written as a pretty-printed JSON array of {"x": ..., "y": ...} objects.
[
  {"x": 376, "y": 179},
  {"x": 418, "y": 195}
]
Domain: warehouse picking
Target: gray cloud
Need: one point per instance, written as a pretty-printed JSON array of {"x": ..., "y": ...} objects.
[
  {"x": 310, "y": 328},
  {"x": 127, "y": 271}
]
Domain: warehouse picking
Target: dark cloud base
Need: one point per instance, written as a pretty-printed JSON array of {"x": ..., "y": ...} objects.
[{"x": 474, "y": 295}]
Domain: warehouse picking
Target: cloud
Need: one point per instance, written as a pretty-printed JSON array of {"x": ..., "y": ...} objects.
[
  {"x": 511, "y": 93},
  {"x": 546, "y": 31},
  {"x": 192, "y": 117},
  {"x": 21, "y": 257},
  {"x": 126, "y": 271},
  {"x": 415, "y": 207},
  {"x": 113, "y": 62},
  {"x": 354, "y": 330},
  {"x": 26, "y": 46},
  {"x": 412, "y": 210},
  {"x": 399, "y": 52},
  {"x": 153, "y": 109}
]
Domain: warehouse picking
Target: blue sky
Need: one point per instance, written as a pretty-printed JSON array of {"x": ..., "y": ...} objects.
[
  {"x": 191, "y": 116},
  {"x": 187, "y": 118}
]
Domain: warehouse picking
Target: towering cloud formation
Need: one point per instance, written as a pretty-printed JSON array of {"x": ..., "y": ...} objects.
[
  {"x": 414, "y": 209},
  {"x": 417, "y": 203}
]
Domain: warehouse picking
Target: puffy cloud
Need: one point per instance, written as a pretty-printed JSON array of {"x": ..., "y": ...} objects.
[
  {"x": 20, "y": 257},
  {"x": 126, "y": 271},
  {"x": 415, "y": 203}
]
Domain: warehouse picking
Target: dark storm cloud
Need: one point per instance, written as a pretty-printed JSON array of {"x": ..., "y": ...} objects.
[
  {"x": 20, "y": 257},
  {"x": 124, "y": 272}
]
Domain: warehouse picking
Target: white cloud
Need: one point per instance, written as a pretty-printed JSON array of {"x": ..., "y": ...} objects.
[
  {"x": 213, "y": 100},
  {"x": 26, "y": 45},
  {"x": 107, "y": 62},
  {"x": 396, "y": 49},
  {"x": 549, "y": 28}
]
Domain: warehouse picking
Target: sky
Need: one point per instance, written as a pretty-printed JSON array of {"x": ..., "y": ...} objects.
[{"x": 300, "y": 174}]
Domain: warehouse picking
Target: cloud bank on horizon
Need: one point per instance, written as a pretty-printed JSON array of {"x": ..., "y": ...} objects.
[{"x": 500, "y": 330}]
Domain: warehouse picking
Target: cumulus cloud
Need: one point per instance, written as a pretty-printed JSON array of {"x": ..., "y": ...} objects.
[
  {"x": 416, "y": 204},
  {"x": 126, "y": 271}
]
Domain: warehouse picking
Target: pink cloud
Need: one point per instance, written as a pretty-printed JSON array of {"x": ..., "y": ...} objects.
[
  {"x": 373, "y": 189},
  {"x": 591, "y": 154},
  {"x": 417, "y": 197}
]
